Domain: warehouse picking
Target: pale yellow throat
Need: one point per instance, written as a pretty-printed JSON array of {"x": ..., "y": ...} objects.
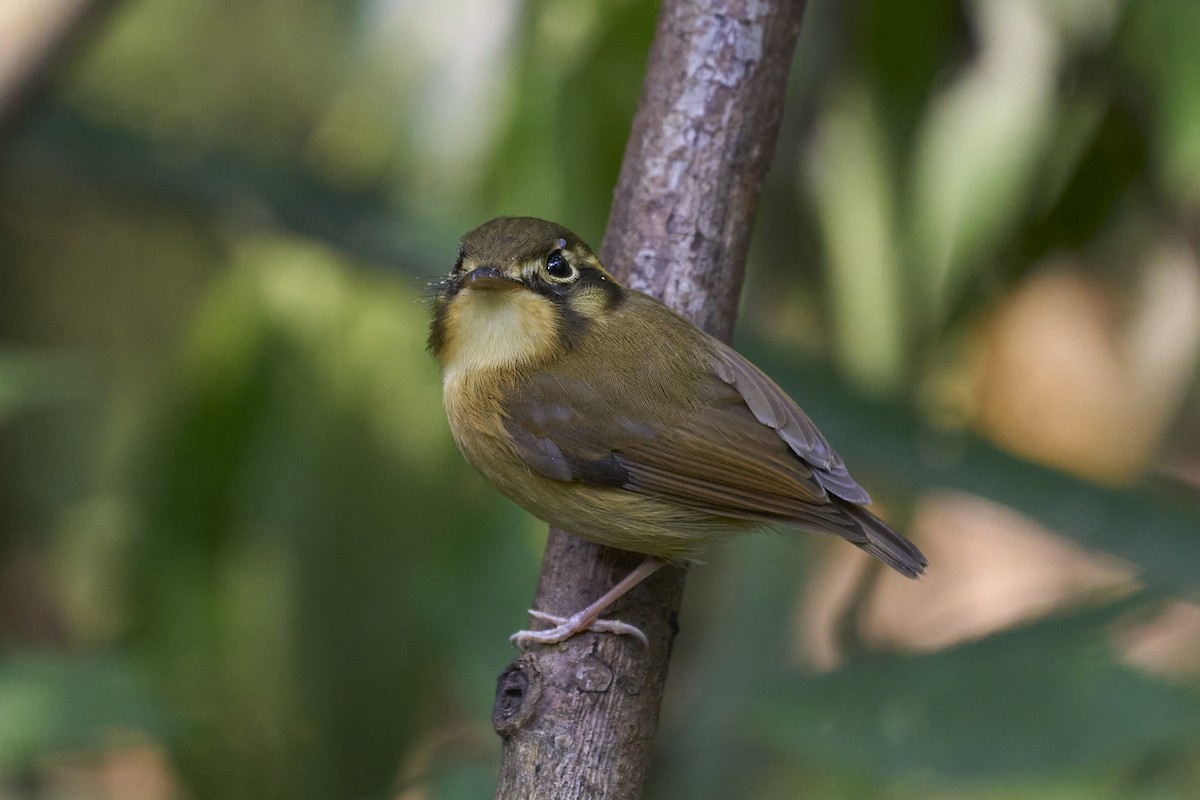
[{"x": 488, "y": 329}]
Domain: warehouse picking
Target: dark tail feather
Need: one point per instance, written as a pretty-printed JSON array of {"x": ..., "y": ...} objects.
[{"x": 885, "y": 544}]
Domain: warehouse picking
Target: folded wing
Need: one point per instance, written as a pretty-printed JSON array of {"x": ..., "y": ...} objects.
[{"x": 734, "y": 446}]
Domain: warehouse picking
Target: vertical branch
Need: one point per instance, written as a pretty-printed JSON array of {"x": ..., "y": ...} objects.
[
  {"x": 578, "y": 719},
  {"x": 702, "y": 140}
]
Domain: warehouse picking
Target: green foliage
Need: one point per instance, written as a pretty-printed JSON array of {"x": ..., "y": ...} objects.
[
  {"x": 296, "y": 493},
  {"x": 250, "y": 532},
  {"x": 50, "y": 704},
  {"x": 1042, "y": 699},
  {"x": 897, "y": 445},
  {"x": 35, "y": 380},
  {"x": 567, "y": 51}
]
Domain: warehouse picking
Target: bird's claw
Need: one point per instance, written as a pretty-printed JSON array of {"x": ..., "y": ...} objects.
[{"x": 566, "y": 627}]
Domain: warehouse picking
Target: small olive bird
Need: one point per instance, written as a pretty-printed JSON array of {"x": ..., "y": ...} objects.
[{"x": 606, "y": 414}]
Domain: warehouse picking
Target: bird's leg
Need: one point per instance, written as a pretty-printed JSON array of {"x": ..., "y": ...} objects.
[{"x": 586, "y": 620}]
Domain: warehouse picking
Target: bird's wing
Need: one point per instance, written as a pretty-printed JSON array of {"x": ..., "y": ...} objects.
[
  {"x": 774, "y": 409},
  {"x": 736, "y": 447}
]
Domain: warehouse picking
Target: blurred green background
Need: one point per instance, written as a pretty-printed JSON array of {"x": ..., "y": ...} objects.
[{"x": 240, "y": 556}]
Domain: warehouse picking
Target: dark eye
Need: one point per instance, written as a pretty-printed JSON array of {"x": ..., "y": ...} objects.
[{"x": 557, "y": 266}]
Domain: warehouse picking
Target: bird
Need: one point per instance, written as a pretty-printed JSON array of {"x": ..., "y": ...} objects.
[{"x": 604, "y": 413}]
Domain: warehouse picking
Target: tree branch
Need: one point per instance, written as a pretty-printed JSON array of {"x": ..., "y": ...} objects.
[{"x": 578, "y": 719}]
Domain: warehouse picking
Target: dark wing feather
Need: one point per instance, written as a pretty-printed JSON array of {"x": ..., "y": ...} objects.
[
  {"x": 713, "y": 455},
  {"x": 735, "y": 446},
  {"x": 720, "y": 458},
  {"x": 773, "y": 408}
]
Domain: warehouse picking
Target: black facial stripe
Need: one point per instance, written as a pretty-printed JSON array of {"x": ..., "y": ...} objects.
[
  {"x": 557, "y": 292},
  {"x": 444, "y": 290},
  {"x": 448, "y": 286},
  {"x": 437, "y": 327},
  {"x": 572, "y": 327}
]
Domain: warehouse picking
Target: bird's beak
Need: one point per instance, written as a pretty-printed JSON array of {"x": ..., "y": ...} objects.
[{"x": 491, "y": 278}]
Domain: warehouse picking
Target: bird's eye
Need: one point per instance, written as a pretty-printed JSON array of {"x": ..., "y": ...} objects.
[{"x": 557, "y": 265}]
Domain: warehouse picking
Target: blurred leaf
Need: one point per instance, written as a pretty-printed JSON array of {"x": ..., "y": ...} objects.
[
  {"x": 462, "y": 781},
  {"x": 1154, "y": 529},
  {"x": 853, "y": 187},
  {"x": 240, "y": 189},
  {"x": 319, "y": 560},
  {"x": 52, "y": 704},
  {"x": 560, "y": 157},
  {"x": 735, "y": 640},
  {"x": 1102, "y": 164},
  {"x": 259, "y": 74},
  {"x": 1045, "y": 698},
  {"x": 904, "y": 49},
  {"x": 33, "y": 379},
  {"x": 979, "y": 148},
  {"x": 1159, "y": 41}
]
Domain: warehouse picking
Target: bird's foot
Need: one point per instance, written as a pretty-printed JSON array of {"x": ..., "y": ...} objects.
[{"x": 566, "y": 627}]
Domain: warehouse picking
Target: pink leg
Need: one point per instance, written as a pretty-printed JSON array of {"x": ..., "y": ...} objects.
[{"x": 586, "y": 620}]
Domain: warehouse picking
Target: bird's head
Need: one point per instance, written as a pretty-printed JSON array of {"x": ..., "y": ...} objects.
[{"x": 522, "y": 290}]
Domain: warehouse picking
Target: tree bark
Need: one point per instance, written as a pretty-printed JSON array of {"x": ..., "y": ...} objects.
[{"x": 578, "y": 719}]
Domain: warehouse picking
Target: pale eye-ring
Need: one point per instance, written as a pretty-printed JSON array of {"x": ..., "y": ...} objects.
[{"x": 557, "y": 266}]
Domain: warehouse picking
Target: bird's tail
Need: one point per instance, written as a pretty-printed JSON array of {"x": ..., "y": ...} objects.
[{"x": 885, "y": 544}]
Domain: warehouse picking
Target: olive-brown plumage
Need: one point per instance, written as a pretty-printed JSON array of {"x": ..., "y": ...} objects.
[{"x": 604, "y": 413}]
